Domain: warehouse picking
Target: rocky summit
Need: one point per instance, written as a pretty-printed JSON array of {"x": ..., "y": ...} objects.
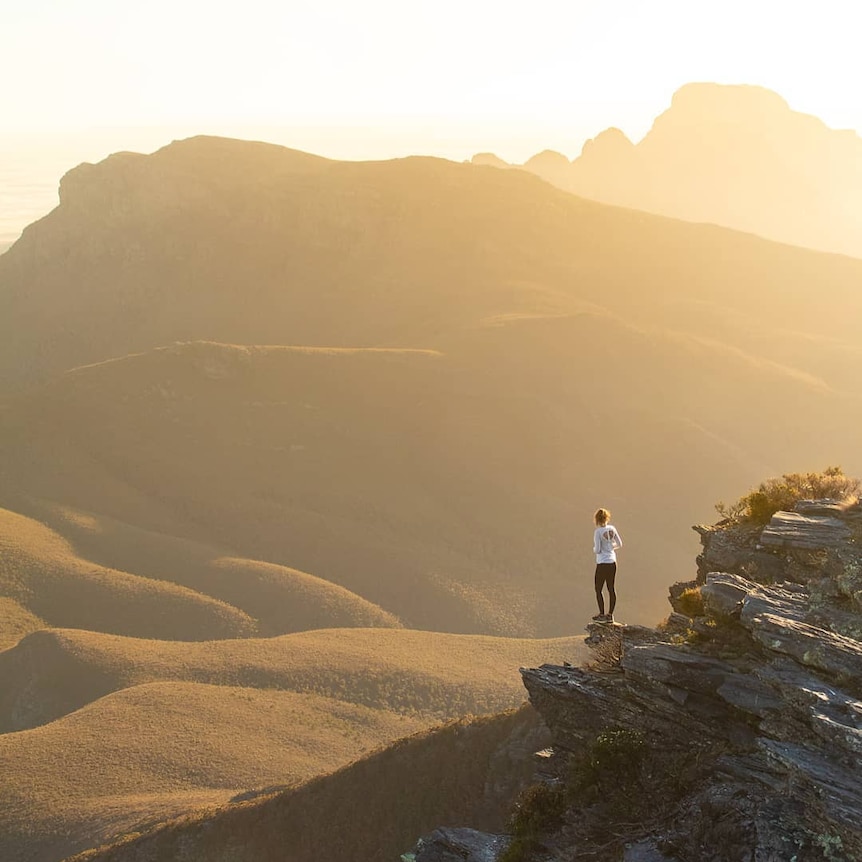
[{"x": 732, "y": 731}]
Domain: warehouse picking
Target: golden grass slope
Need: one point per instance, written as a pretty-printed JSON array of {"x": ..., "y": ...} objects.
[
  {"x": 467, "y": 772},
  {"x": 40, "y": 571},
  {"x": 446, "y": 489},
  {"x": 52, "y": 673},
  {"x": 15, "y": 622},
  {"x": 280, "y": 599},
  {"x": 132, "y": 732},
  {"x": 158, "y": 750}
]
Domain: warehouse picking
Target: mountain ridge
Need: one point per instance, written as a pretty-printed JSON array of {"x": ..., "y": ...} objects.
[{"x": 735, "y": 155}]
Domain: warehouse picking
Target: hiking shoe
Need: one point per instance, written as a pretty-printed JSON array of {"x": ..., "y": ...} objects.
[
  {"x": 608, "y": 618},
  {"x": 599, "y": 618}
]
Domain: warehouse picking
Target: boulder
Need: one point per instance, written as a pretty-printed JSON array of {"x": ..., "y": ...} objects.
[
  {"x": 723, "y": 594},
  {"x": 460, "y": 845},
  {"x": 794, "y": 530}
]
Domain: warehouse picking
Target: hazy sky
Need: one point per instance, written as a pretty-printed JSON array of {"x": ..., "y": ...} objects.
[{"x": 385, "y": 77}]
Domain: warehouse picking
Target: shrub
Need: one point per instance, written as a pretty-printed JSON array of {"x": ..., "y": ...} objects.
[
  {"x": 625, "y": 784},
  {"x": 781, "y": 494},
  {"x": 615, "y": 758},
  {"x": 690, "y": 602},
  {"x": 538, "y": 807}
]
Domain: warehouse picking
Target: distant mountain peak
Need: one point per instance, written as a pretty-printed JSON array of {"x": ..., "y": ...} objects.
[
  {"x": 612, "y": 141},
  {"x": 735, "y": 155},
  {"x": 489, "y": 159},
  {"x": 548, "y": 158},
  {"x": 710, "y": 99}
]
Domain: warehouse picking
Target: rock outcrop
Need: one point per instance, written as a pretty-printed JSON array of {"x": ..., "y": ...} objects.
[
  {"x": 458, "y": 845},
  {"x": 733, "y": 731}
]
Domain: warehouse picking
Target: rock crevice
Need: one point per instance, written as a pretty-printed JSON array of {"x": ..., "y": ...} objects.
[{"x": 733, "y": 731}]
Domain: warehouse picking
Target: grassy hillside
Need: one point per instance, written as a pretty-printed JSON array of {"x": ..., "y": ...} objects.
[
  {"x": 470, "y": 773},
  {"x": 427, "y": 674},
  {"x": 40, "y": 572},
  {"x": 448, "y": 490},
  {"x": 280, "y": 599},
  {"x": 102, "y": 735},
  {"x": 15, "y": 622},
  {"x": 159, "y": 750}
]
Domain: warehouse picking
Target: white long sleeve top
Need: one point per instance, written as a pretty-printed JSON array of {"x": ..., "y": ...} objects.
[{"x": 606, "y": 540}]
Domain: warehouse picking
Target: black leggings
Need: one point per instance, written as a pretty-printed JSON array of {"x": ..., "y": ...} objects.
[{"x": 605, "y": 574}]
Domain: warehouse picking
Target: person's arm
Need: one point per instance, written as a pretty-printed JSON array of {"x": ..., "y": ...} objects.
[
  {"x": 597, "y": 542},
  {"x": 617, "y": 540}
]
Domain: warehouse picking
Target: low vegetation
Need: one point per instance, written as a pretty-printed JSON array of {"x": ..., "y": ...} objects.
[
  {"x": 539, "y": 807},
  {"x": 690, "y": 602},
  {"x": 782, "y": 493},
  {"x": 41, "y": 572},
  {"x": 431, "y": 675},
  {"x": 125, "y": 729},
  {"x": 466, "y": 771},
  {"x": 607, "y": 793},
  {"x": 15, "y": 622}
]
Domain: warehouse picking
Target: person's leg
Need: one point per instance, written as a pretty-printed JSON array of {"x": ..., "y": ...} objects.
[
  {"x": 600, "y": 582},
  {"x": 610, "y": 577}
]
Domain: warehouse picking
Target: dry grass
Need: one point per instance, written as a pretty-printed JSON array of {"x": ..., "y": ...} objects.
[
  {"x": 143, "y": 730},
  {"x": 41, "y": 572},
  {"x": 280, "y": 599},
  {"x": 451, "y": 511},
  {"x": 16, "y": 622},
  {"x": 163, "y": 748},
  {"x": 435, "y": 676},
  {"x": 471, "y": 771}
]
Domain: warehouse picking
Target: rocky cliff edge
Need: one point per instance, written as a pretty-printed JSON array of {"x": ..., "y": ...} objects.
[{"x": 732, "y": 731}]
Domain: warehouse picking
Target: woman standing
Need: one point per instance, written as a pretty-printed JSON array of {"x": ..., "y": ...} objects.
[{"x": 606, "y": 540}]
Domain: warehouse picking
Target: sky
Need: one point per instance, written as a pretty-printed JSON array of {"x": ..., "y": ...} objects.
[{"x": 381, "y": 78}]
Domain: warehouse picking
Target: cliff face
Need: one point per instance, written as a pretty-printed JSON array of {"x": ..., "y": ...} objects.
[
  {"x": 731, "y": 732},
  {"x": 748, "y": 711}
]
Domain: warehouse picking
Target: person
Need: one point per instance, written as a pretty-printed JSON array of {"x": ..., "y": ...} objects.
[{"x": 606, "y": 541}]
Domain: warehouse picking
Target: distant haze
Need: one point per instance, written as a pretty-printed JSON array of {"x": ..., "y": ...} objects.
[
  {"x": 739, "y": 156},
  {"x": 736, "y": 156}
]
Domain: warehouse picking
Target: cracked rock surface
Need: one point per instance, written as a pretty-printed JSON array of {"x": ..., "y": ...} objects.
[{"x": 734, "y": 734}]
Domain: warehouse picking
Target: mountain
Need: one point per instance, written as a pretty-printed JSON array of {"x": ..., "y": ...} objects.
[
  {"x": 731, "y": 155},
  {"x": 308, "y": 449},
  {"x": 460, "y": 363}
]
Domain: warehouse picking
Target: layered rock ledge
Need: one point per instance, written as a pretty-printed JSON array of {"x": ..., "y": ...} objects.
[{"x": 733, "y": 731}]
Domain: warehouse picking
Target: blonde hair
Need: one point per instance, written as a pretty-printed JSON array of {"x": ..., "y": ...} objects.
[{"x": 602, "y": 517}]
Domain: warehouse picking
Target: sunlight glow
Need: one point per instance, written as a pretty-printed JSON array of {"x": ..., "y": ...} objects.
[{"x": 459, "y": 76}]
